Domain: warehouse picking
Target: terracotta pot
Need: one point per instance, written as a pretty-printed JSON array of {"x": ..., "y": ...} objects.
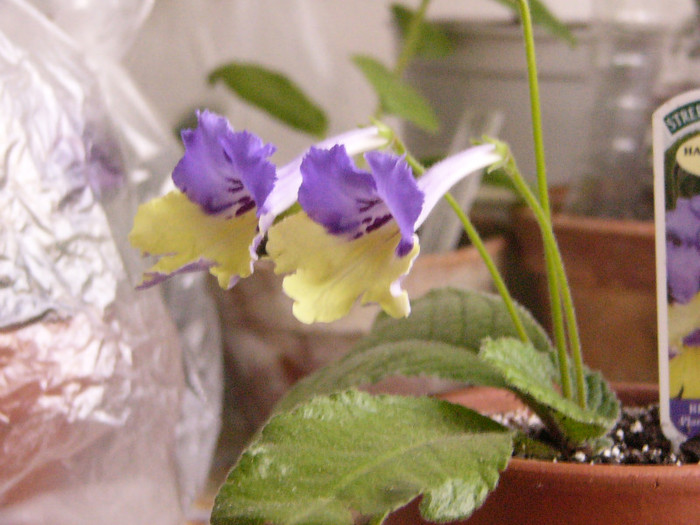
[
  {"x": 611, "y": 268},
  {"x": 544, "y": 493}
]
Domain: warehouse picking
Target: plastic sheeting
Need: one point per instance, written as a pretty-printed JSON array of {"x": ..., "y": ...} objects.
[{"x": 108, "y": 414}]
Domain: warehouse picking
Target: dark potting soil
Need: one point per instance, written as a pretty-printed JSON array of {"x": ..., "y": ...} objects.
[{"x": 637, "y": 439}]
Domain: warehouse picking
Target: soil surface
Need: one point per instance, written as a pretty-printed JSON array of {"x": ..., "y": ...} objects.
[{"x": 637, "y": 439}]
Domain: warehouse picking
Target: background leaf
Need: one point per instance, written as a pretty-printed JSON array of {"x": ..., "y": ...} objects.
[
  {"x": 433, "y": 43},
  {"x": 396, "y": 96},
  {"x": 274, "y": 93},
  {"x": 352, "y": 453},
  {"x": 541, "y": 15}
]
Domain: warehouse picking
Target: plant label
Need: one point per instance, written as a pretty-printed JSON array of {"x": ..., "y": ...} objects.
[{"x": 676, "y": 129}]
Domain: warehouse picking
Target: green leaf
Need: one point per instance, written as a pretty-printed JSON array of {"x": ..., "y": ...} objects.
[
  {"x": 441, "y": 338},
  {"x": 408, "y": 358},
  {"x": 541, "y": 15},
  {"x": 274, "y": 93},
  {"x": 532, "y": 375},
  {"x": 351, "y": 454},
  {"x": 433, "y": 41},
  {"x": 459, "y": 317},
  {"x": 396, "y": 96}
]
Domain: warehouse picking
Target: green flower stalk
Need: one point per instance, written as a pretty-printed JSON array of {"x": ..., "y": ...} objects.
[{"x": 559, "y": 291}]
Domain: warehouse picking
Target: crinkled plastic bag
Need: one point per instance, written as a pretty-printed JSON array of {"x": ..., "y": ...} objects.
[{"x": 104, "y": 418}]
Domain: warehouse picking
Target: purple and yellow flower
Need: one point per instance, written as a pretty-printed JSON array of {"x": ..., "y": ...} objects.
[
  {"x": 355, "y": 238},
  {"x": 211, "y": 220},
  {"x": 228, "y": 194}
]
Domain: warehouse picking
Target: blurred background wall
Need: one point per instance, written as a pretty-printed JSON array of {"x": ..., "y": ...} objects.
[{"x": 311, "y": 41}]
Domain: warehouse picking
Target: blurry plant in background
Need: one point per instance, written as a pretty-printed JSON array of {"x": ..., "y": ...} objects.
[{"x": 278, "y": 95}]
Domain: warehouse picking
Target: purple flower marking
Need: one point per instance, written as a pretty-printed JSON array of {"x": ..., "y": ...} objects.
[
  {"x": 692, "y": 339},
  {"x": 352, "y": 202},
  {"x": 223, "y": 170},
  {"x": 683, "y": 249}
]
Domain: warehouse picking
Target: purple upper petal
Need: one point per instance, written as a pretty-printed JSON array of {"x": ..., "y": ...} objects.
[
  {"x": 353, "y": 202},
  {"x": 223, "y": 169},
  {"x": 398, "y": 189},
  {"x": 333, "y": 191}
]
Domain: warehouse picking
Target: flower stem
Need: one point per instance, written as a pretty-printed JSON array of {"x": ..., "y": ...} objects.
[
  {"x": 559, "y": 290},
  {"x": 399, "y": 147},
  {"x": 411, "y": 39},
  {"x": 554, "y": 259},
  {"x": 498, "y": 281},
  {"x": 572, "y": 326},
  {"x": 535, "y": 109}
]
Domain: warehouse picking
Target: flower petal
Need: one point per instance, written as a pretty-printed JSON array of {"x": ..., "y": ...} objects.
[
  {"x": 442, "y": 176},
  {"x": 289, "y": 176},
  {"x": 223, "y": 169},
  {"x": 329, "y": 273},
  {"x": 336, "y": 194},
  {"x": 185, "y": 238},
  {"x": 399, "y": 191},
  {"x": 351, "y": 202}
]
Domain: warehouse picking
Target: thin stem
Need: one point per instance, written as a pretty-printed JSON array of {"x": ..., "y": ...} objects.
[
  {"x": 554, "y": 259},
  {"x": 400, "y": 148},
  {"x": 559, "y": 290},
  {"x": 558, "y": 326},
  {"x": 498, "y": 281},
  {"x": 572, "y": 326},
  {"x": 535, "y": 109},
  {"x": 411, "y": 39},
  {"x": 542, "y": 186}
]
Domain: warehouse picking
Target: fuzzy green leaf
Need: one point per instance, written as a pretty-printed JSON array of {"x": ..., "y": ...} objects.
[
  {"x": 408, "y": 358},
  {"x": 433, "y": 42},
  {"x": 459, "y": 317},
  {"x": 395, "y": 95},
  {"x": 532, "y": 375},
  {"x": 441, "y": 338},
  {"x": 274, "y": 93},
  {"x": 352, "y": 454}
]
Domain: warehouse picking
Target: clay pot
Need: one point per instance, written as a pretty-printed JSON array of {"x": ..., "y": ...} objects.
[
  {"x": 611, "y": 268},
  {"x": 533, "y": 492}
]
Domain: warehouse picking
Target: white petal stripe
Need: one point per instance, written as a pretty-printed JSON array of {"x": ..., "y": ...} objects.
[{"x": 442, "y": 176}]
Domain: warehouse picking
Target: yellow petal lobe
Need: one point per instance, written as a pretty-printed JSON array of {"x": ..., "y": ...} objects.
[
  {"x": 329, "y": 273},
  {"x": 181, "y": 234}
]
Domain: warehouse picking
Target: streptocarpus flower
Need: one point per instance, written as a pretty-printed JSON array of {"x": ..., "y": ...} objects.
[
  {"x": 211, "y": 220},
  {"x": 228, "y": 194},
  {"x": 355, "y": 237}
]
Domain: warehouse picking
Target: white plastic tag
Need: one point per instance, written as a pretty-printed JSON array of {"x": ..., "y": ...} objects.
[{"x": 676, "y": 128}]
